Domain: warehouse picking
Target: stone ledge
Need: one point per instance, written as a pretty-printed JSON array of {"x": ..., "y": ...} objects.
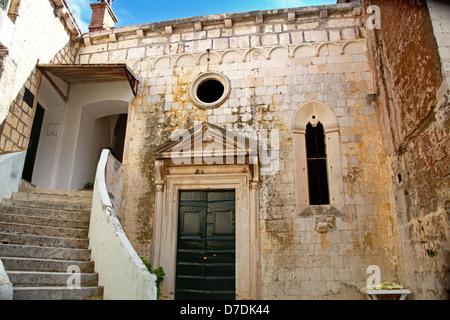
[{"x": 228, "y": 19}]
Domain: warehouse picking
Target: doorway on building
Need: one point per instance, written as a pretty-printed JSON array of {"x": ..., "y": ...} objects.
[
  {"x": 206, "y": 246},
  {"x": 30, "y": 158}
]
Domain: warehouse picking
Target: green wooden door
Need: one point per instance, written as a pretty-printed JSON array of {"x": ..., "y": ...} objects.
[{"x": 206, "y": 245}]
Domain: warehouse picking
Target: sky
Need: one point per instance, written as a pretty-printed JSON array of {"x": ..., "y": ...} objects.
[{"x": 131, "y": 12}]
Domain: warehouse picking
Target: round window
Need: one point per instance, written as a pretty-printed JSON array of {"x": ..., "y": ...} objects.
[{"x": 210, "y": 90}]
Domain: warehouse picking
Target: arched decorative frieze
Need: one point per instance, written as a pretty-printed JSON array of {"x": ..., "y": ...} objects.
[
  {"x": 279, "y": 52},
  {"x": 162, "y": 63},
  {"x": 232, "y": 56},
  {"x": 354, "y": 46},
  {"x": 136, "y": 66},
  {"x": 146, "y": 65},
  {"x": 304, "y": 50},
  {"x": 210, "y": 58},
  {"x": 329, "y": 49},
  {"x": 255, "y": 54},
  {"x": 186, "y": 60}
]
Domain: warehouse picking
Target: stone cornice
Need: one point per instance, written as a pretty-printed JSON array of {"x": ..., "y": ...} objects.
[
  {"x": 63, "y": 12},
  {"x": 227, "y": 20}
]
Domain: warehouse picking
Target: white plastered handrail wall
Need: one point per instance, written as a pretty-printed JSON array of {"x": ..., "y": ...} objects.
[
  {"x": 121, "y": 271},
  {"x": 6, "y": 288},
  {"x": 11, "y": 166}
]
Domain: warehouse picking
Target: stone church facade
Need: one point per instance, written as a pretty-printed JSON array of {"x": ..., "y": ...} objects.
[{"x": 331, "y": 130}]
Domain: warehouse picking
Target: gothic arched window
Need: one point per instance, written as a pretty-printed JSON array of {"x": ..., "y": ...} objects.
[
  {"x": 317, "y": 157},
  {"x": 317, "y": 165}
]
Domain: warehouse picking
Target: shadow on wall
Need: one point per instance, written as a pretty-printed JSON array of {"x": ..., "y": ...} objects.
[{"x": 102, "y": 126}]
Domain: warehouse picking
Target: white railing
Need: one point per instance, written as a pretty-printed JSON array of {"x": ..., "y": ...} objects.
[
  {"x": 11, "y": 167},
  {"x": 6, "y": 288},
  {"x": 122, "y": 273}
]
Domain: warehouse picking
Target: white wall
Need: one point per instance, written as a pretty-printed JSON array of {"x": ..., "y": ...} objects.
[
  {"x": 11, "y": 166},
  {"x": 121, "y": 272},
  {"x": 67, "y": 161}
]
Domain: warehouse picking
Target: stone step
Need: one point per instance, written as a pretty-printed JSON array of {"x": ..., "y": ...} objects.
[
  {"x": 71, "y": 193},
  {"x": 47, "y": 265},
  {"x": 18, "y": 228},
  {"x": 43, "y": 221},
  {"x": 25, "y": 185},
  {"x": 46, "y": 213},
  {"x": 26, "y": 251},
  {"x": 47, "y": 205},
  {"x": 45, "y": 197},
  {"x": 42, "y": 234},
  {"x": 57, "y": 293},
  {"x": 43, "y": 241},
  {"x": 49, "y": 279}
]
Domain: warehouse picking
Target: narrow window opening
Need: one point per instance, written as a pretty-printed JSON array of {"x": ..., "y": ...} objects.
[
  {"x": 210, "y": 91},
  {"x": 317, "y": 165},
  {"x": 28, "y": 97}
]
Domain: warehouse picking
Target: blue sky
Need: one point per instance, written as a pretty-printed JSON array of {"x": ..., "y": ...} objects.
[{"x": 130, "y": 12}]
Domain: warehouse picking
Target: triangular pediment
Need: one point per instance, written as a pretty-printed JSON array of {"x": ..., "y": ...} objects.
[{"x": 206, "y": 140}]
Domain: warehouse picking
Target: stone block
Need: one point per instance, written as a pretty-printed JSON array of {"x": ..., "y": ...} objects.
[
  {"x": 220, "y": 44},
  {"x": 245, "y": 30},
  {"x": 155, "y": 50},
  {"x": 98, "y": 57},
  {"x": 128, "y": 43},
  {"x": 348, "y": 34},
  {"x": 316, "y": 36},
  {"x": 297, "y": 37},
  {"x": 198, "y": 46},
  {"x": 136, "y": 53},
  {"x": 269, "y": 39},
  {"x": 118, "y": 55},
  {"x": 335, "y": 35},
  {"x": 240, "y": 42}
]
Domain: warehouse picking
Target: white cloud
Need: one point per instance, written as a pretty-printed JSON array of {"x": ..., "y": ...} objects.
[
  {"x": 298, "y": 3},
  {"x": 125, "y": 17},
  {"x": 287, "y": 3},
  {"x": 82, "y": 11}
]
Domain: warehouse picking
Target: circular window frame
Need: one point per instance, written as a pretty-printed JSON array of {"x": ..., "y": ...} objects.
[{"x": 207, "y": 76}]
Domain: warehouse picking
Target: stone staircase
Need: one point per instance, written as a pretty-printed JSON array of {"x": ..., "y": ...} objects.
[{"x": 43, "y": 235}]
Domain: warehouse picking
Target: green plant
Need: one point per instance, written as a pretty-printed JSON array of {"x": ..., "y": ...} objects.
[
  {"x": 158, "y": 272},
  {"x": 88, "y": 185}
]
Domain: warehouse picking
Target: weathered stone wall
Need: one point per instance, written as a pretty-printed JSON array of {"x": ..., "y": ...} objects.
[
  {"x": 276, "y": 61},
  {"x": 41, "y": 35},
  {"x": 411, "y": 67}
]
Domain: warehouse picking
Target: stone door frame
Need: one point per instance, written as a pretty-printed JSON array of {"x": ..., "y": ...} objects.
[{"x": 244, "y": 179}]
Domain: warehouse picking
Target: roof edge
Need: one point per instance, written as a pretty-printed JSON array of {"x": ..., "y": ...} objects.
[
  {"x": 224, "y": 16},
  {"x": 64, "y": 12}
]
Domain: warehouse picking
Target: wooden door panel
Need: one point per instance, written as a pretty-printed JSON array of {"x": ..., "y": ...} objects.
[{"x": 206, "y": 245}]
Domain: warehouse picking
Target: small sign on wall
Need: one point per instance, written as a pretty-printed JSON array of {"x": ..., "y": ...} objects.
[{"x": 53, "y": 129}]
